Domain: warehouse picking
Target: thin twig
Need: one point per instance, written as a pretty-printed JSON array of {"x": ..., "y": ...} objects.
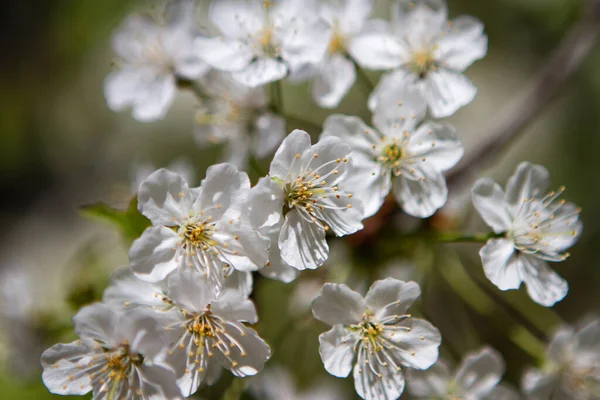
[{"x": 564, "y": 61}]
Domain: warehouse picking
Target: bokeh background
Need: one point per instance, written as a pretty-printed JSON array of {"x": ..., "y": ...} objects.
[{"x": 62, "y": 148}]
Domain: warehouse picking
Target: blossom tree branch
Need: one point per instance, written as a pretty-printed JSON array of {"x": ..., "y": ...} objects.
[{"x": 561, "y": 65}]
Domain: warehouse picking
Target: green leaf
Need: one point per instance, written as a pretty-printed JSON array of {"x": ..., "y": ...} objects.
[{"x": 130, "y": 222}]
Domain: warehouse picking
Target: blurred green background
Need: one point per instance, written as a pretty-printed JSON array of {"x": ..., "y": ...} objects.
[{"x": 61, "y": 148}]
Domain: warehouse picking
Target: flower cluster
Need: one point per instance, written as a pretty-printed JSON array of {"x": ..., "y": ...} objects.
[{"x": 181, "y": 312}]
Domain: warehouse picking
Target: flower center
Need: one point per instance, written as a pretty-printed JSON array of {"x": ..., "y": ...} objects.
[
  {"x": 423, "y": 62},
  {"x": 299, "y": 193},
  {"x": 198, "y": 234},
  {"x": 540, "y": 223},
  {"x": 120, "y": 361},
  {"x": 391, "y": 155},
  {"x": 338, "y": 41}
]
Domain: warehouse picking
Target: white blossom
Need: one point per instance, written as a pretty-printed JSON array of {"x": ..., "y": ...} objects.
[
  {"x": 237, "y": 115},
  {"x": 261, "y": 40},
  {"x": 400, "y": 155},
  {"x": 207, "y": 332},
  {"x": 196, "y": 228},
  {"x": 306, "y": 195},
  {"x": 118, "y": 356},
  {"x": 476, "y": 378},
  {"x": 153, "y": 55},
  {"x": 333, "y": 77},
  {"x": 427, "y": 53},
  {"x": 533, "y": 227},
  {"x": 376, "y": 334},
  {"x": 572, "y": 366}
]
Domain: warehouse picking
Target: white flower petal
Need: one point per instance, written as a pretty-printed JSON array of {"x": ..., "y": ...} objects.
[
  {"x": 480, "y": 372},
  {"x": 237, "y": 18},
  {"x": 156, "y": 103},
  {"x": 223, "y": 191},
  {"x": 334, "y": 79},
  {"x": 223, "y": 54},
  {"x": 231, "y": 305},
  {"x": 96, "y": 322},
  {"x": 430, "y": 383},
  {"x": 153, "y": 255},
  {"x": 246, "y": 249},
  {"x": 276, "y": 268},
  {"x": 65, "y": 368},
  {"x": 302, "y": 243},
  {"x": 415, "y": 348},
  {"x": 338, "y": 304},
  {"x": 352, "y": 131},
  {"x": 462, "y": 44},
  {"x": 242, "y": 282},
  {"x": 390, "y": 297},
  {"x": 436, "y": 144},
  {"x": 423, "y": 194},
  {"x": 446, "y": 91},
  {"x": 164, "y": 198},
  {"x": 419, "y": 22},
  {"x": 399, "y": 109},
  {"x": 528, "y": 181},
  {"x": 265, "y": 203},
  {"x": 270, "y": 131},
  {"x": 501, "y": 264},
  {"x": 256, "y": 351},
  {"x": 374, "y": 381},
  {"x": 378, "y": 51},
  {"x": 336, "y": 348},
  {"x": 489, "y": 201},
  {"x": 127, "y": 290},
  {"x": 561, "y": 345},
  {"x": 295, "y": 143},
  {"x": 398, "y": 83},
  {"x": 261, "y": 71},
  {"x": 588, "y": 343},
  {"x": 544, "y": 286},
  {"x": 159, "y": 382},
  {"x": 304, "y": 40},
  {"x": 191, "y": 290}
]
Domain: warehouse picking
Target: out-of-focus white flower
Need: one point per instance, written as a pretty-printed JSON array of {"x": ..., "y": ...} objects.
[
  {"x": 152, "y": 56},
  {"x": 376, "y": 335},
  {"x": 263, "y": 40},
  {"x": 427, "y": 52},
  {"x": 207, "y": 333},
  {"x": 307, "y": 186},
  {"x": 536, "y": 227},
  {"x": 141, "y": 171},
  {"x": 119, "y": 355},
  {"x": 237, "y": 115},
  {"x": 572, "y": 366},
  {"x": 476, "y": 378},
  {"x": 275, "y": 383},
  {"x": 400, "y": 155},
  {"x": 333, "y": 77},
  {"x": 196, "y": 228}
]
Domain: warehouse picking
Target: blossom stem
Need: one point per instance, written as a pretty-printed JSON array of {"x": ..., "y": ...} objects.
[
  {"x": 193, "y": 86},
  {"x": 363, "y": 77},
  {"x": 257, "y": 167},
  {"x": 522, "y": 110},
  {"x": 454, "y": 237}
]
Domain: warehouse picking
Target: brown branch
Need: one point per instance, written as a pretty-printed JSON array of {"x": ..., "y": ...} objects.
[{"x": 520, "y": 111}]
